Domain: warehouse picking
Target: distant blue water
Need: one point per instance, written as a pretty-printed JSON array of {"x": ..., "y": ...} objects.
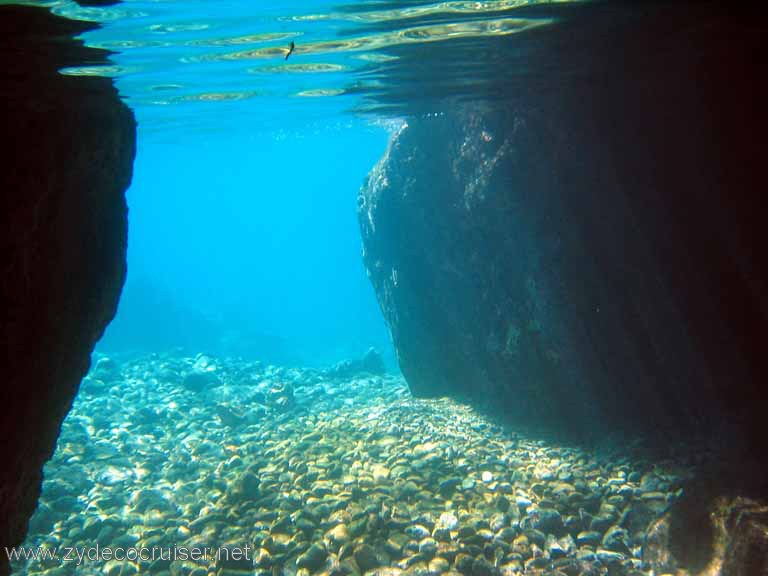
[
  {"x": 243, "y": 237},
  {"x": 256, "y": 233}
]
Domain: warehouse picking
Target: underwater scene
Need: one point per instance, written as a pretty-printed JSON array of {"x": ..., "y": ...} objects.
[
  {"x": 331, "y": 471},
  {"x": 417, "y": 288}
]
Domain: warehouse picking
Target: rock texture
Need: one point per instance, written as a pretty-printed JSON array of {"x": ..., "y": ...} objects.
[
  {"x": 586, "y": 251},
  {"x": 583, "y": 255},
  {"x": 745, "y": 537},
  {"x": 69, "y": 149},
  {"x": 727, "y": 536}
]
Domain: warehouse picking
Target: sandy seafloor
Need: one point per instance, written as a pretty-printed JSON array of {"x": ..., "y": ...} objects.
[{"x": 332, "y": 473}]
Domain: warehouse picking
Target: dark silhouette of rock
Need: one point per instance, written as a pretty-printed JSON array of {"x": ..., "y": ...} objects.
[
  {"x": 582, "y": 255},
  {"x": 371, "y": 363},
  {"x": 68, "y": 156},
  {"x": 581, "y": 252},
  {"x": 746, "y": 538},
  {"x": 200, "y": 380}
]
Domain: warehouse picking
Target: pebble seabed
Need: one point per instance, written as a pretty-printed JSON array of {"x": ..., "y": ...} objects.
[{"x": 320, "y": 474}]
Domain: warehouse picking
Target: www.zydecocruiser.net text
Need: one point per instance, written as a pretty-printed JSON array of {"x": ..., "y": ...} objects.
[{"x": 81, "y": 555}]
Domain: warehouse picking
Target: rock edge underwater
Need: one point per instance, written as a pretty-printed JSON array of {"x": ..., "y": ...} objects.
[
  {"x": 582, "y": 258},
  {"x": 68, "y": 163}
]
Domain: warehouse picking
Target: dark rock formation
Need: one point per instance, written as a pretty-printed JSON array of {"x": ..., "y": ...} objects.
[
  {"x": 371, "y": 363},
  {"x": 197, "y": 381},
  {"x": 68, "y": 156},
  {"x": 727, "y": 536},
  {"x": 745, "y": 537},
  {"x": 585, "y": 253}
]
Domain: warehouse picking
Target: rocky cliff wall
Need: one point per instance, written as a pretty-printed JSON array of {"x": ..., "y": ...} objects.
[
  {"x": 68, "y": 155},
  {"x": 584, "y": 256}
]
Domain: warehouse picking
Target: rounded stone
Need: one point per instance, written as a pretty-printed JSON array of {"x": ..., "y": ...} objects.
[
  {"x": 428, "y": 547},
  {"x": 438, "y": 565},
  {"x": 197, "y": 381},
  {"x": 313, "y": 559},
  {"x": 449, "y": 485},
  {"x": 417, "y": 532},
  {"x": 588, "y": 538},
  {"x": 616, "y": 539},
  {"x": 233, "y": 558},
  {"x": 338, "y": 535},
  {"x": 366, "y": 558},
  {"x": 447, "y": 521}
]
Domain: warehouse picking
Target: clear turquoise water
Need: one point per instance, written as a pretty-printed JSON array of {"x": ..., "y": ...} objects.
[
  {"x": 244, "y": 241},
  {"x": 213, "y": 66},
  {"x": 242, "y": 207},
  {"x": 243, "y": 234}
]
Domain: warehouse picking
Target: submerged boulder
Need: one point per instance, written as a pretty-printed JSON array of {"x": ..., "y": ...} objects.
[
  {"x": 576, "y": 257},
  {"x": 281, "y": 396},
  {"x": 199, "y": 380},
  {"x": 371, "y": 363}
]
